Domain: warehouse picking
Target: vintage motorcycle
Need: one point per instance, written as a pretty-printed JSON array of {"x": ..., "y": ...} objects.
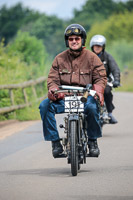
[{"x": 75, "y": 128}]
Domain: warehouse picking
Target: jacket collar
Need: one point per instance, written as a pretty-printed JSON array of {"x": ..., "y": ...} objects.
[{"x": 75, "y": 54}]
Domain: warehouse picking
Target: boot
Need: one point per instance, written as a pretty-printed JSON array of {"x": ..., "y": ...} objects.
[
  {"x": 57, "y": 148},
  {"x": 112, "y": 120},
  {"x": 93, "y": 148}
]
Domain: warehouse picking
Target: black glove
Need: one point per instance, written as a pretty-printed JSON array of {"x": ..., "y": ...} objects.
[{"x": 116, "y": 84}]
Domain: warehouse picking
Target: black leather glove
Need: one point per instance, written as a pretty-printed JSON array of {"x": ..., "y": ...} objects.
[{"x": 116, "y": 84}]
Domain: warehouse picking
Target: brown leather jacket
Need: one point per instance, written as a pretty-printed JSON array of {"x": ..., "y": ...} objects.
[{"x": 78, "y": 69}]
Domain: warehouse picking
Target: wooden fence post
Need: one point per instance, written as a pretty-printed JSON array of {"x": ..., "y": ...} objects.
[
  {"x": 11, "y": 96},
  {"x": 25, "y": 96},
  {"x": 23, "y": 86}
]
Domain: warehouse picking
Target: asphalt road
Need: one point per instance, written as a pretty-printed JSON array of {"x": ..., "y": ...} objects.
[{"x": 29, "y": 172}]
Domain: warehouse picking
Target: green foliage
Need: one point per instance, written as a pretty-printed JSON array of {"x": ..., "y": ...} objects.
[
  {"x": 96, "y": 11},
  {"x": 12, "y": 70},
  {"x": 126, "y": 81},
  {"x": 11, "y": 19},
  {"x": 23, "y": 59},
  {"x": 129, "y": 5},
  {"x": 18, "y": 64},
  {"x": 121, "y": 50},
  {"x": 29, "y": 48},
  {"x": 118, "y": 32},
  {"x": 28, "y": 113},
  {"x": 4, "y": 98},
  {"x": 50, "y": 30},
  {"x": 118, "y": 26},
  {"x": 7, "y": 116}
]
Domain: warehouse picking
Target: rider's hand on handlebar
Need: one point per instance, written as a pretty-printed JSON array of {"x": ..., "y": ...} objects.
[
  {"x": 116, "y": 84},
  {"x": 100, "y": 92},
  {"x": 53, "y": 95},
  {"x": 101, "y": 98},
  {"x": 60, "y": 96}
]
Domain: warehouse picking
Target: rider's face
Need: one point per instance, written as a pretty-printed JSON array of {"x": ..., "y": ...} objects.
[
  {"x": 75, "y": 42},
  {"x": 97, "y": 49}
]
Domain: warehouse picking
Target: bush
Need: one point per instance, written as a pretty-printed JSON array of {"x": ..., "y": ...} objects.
[
  {"x": 122, "y": 52},
  {"x": 28, "y": 113},
  {"x": 18, "y": 64},
  {"x": 117, "y": 27},
  {"x": 29, "y": 48},
  {"x": 126, "y": 81}
]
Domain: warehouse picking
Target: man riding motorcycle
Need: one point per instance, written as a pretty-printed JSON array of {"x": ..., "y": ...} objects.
[
  {"x": 75, "y": 66},
  {"x": 97, "y": 44}
]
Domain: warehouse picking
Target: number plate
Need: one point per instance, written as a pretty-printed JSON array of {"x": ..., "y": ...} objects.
[{"x": 73, "y": 104}]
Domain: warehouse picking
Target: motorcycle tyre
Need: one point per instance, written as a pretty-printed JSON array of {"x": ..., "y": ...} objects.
[{"x": 74, "y": 148}]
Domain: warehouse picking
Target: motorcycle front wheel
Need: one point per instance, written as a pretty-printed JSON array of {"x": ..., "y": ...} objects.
[{"x": 74, "y": 147}]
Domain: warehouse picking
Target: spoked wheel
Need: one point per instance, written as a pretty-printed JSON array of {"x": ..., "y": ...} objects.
[{"x": 74, "y": 148}]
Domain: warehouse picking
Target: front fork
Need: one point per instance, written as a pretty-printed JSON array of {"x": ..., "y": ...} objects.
[
  {"x": 82, "y": 139},
  {"x": 82, "y": 136}
]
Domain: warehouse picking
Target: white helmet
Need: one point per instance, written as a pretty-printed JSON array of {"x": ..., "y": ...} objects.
[{"x": 98, "y": 40}]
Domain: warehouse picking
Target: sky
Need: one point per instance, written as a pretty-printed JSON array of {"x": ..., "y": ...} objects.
[{"x": 61, "y": 8}]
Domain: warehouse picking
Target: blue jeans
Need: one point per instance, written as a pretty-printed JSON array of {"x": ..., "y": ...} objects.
[{"x": 49, "y": 109}]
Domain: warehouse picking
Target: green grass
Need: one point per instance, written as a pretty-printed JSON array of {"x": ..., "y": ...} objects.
[
  {"x": 25, "y": 114},
  {"x": 28, "y": 113},
  {"x": 126, "y": 81}
]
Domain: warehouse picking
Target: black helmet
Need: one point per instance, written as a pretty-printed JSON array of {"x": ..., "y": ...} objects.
[{"x": 75, "y": 29}]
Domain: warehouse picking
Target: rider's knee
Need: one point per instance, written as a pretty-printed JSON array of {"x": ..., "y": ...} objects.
[
  {"x": 43, "y": 107},
  {"x": 91, "y": 109},
  {"x": 44, "y": 104},
  {"x": 90, "y": 106}
]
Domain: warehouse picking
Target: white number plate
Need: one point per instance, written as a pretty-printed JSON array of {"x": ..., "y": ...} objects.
[{"x": 73, "y": 104}]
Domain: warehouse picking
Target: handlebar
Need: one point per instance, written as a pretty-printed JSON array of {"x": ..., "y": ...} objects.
[
  {"x": 84, "y": 97},
  {"x": 68, "y": 87},
  {"x": 73, "y": 89}
]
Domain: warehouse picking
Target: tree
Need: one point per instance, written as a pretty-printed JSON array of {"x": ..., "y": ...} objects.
[
  {"x": 114, "y": 28},
  {"x": 129, "y": 5},
  {"x": 118, "y": 32},
  {"x": 98, "y": 10},
  {"x": 29, "y": 48},
  {"x": 23, "y": 59},
  {"x": 11, "y": 19},
  {"x": 51, "y": 30}
]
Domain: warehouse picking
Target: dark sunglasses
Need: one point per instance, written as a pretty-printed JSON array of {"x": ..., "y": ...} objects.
[{"x": 76, "y": 39}]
